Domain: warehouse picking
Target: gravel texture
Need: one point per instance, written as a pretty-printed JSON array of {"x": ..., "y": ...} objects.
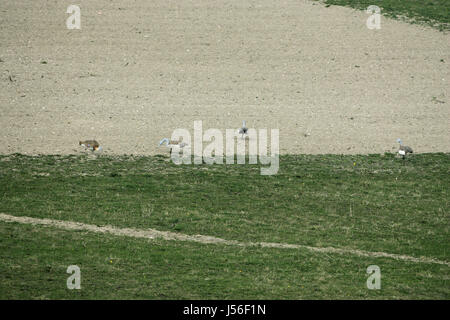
[{"x": 137, "y": 70}]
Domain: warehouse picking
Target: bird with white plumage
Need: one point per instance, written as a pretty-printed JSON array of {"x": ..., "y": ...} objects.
[
  {"x": 92, "y": 145},
  {"x": 172, "y": 144},
  {"x": 403, "y": 150},
  {"x": 243, "y": 131}
]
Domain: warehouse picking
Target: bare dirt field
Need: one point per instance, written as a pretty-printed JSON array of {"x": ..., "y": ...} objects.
[{"x": 137, "y": 70}]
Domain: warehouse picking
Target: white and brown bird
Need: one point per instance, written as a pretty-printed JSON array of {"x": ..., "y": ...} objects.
[
  {"x": 243, "y": 130},
  {"x": 172, "y": 144},
  {"x": 403, "y": 150},
  {"x": 92, "y": 145}
]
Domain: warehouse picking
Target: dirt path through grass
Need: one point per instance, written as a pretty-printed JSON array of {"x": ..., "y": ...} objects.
[{"x": 153, "y": 234}]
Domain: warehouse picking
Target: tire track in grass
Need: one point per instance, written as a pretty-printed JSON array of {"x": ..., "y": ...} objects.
[{"x": 167, "y": 235}]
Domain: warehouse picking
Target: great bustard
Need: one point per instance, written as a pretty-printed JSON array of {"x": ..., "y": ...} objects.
[
  {"x": 171, "y": 144},
  {"x": 403, "y": 150},
  {"x": 92, "y": 145},
  {"x": 243, "y": 130}
]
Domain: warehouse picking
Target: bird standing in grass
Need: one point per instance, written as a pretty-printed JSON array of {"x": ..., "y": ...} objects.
[
  {"x": 171, "y": 144},
  {"x": 403, "y": 150},
  {"x": 92, "y": 145},
  {"x": 243, "y": 130}
]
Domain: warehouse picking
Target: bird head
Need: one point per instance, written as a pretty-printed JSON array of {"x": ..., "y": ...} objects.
[{"x": 164, "y": 140}]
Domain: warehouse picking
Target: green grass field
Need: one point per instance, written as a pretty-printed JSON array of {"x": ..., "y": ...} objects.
[
  {"x": 435, "y": 13},
  {"x": 376, "y": 203}
]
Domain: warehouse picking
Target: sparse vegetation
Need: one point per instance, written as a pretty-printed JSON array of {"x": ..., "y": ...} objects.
[{"x": 435, "y": 13}]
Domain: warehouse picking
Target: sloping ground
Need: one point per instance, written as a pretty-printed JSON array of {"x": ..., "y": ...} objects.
[
  {"x": 434, "y": 13},
  {"x": 137, "y": 70}
]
